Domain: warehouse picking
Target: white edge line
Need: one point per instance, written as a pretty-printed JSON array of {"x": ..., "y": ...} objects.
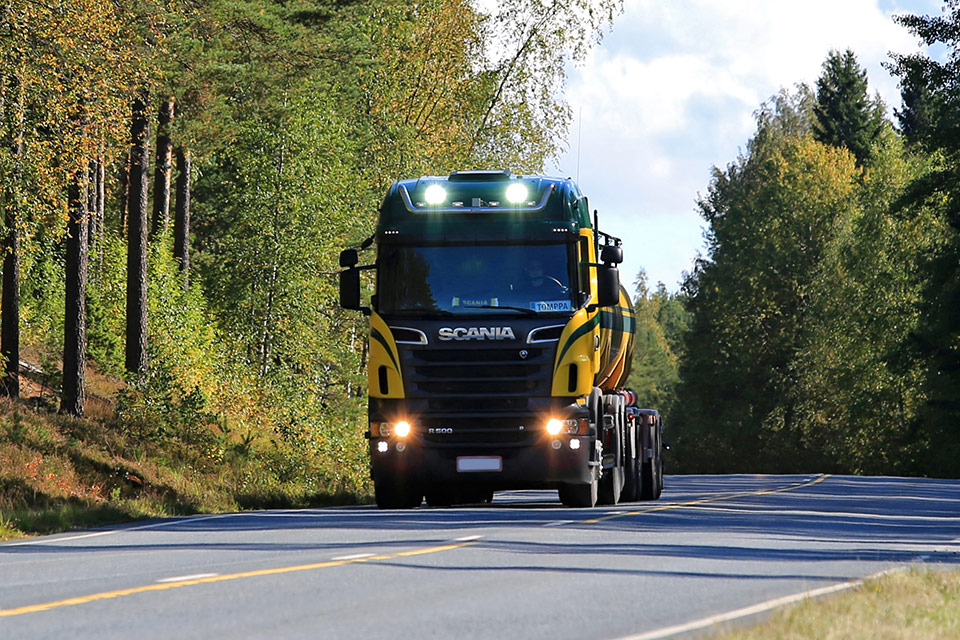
[
  {"x": 558, "y": 523},
  {"x": 467, "y": 538},
  {"x": 355, "y": 556},
  {"x": 752, "y": 610},
  {"x": 195, "y": 576},
  {"x": 152, "y": 525}
]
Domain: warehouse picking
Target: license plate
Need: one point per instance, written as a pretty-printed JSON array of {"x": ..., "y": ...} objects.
[{"x": 467, "y": 464}]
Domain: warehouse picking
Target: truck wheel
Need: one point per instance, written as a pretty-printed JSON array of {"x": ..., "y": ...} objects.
[
  {"x": 659, "y": 467},
  {"x": 393, "y": 494},
  {"x": 579, "y": 495},
  {"x": 631, "y": 471},
  {"x": 610, "y": 486},
  {"x": 651, "y": 485}
]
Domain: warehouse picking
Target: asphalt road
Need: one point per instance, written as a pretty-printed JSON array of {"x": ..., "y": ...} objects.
[{"x": 522, "y": 567}]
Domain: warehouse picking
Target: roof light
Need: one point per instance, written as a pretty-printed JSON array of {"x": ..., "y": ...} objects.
[
  {"x": 435, "y": 194},
  {"x": 516, "y": 193}
]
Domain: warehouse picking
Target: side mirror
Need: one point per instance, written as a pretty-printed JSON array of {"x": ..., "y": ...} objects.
[
  {"x": 608, "y": 286},
  {"x": 350, "y": 287},
  {"x": 349, "y": 258},
  {"x": 611, "y": 254}
]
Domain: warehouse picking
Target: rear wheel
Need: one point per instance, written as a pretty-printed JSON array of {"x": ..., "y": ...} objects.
[
  {"x": 610, "y": 486},
  {"x": 612, "y": 482},
  {"x": 391, "y": 493},
  {"x": 651, "y": 485},
  {"x": 631, "y": 469}
]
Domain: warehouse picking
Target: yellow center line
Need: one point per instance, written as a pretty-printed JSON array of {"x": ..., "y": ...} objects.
[
  {"x": 119, "y": 593},
  {"x": 692, "y": 503}
]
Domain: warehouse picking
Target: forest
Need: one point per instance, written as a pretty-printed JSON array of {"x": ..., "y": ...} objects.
[
  {"x": 179, "y": 176},
  {"x": 821, "y": 330}
]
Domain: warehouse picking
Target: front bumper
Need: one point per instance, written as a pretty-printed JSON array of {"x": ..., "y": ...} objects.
[{"x": 543, "y": 465}]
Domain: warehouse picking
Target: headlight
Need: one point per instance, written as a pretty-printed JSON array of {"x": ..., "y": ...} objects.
[
  {"x": 570, "y": 426},
  {"x": 554, "y": 426},
  {"x": 402, "y": 428}
]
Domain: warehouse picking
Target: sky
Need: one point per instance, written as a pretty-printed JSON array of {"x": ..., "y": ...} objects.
[{"x": 671, "y": 91}]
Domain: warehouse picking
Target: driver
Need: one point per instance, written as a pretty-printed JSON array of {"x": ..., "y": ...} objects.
[{"x": 534, "y": 272}]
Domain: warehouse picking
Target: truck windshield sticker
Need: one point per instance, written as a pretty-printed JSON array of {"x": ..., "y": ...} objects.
[
  {"x": 475, "y": 302},
  {"x": 552, "y": 305}
]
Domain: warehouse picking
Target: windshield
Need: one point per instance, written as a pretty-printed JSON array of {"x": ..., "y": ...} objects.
[{"x": 463, "y": 279}]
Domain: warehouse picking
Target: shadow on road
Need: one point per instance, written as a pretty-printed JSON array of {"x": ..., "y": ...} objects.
[{"x": 841, "y": 518}]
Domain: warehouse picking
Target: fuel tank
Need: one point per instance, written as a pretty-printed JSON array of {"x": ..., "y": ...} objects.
[{"x": 617, "y": 330}]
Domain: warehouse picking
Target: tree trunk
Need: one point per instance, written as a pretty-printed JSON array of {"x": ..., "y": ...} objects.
[
  {"x": 181, "y": 223},
  {"x": 124, "y": 191},
  {"x": 101, "y": 207},
  {"x": 10, "y": 312},
  {"x": 92, "y": 211},
  {"x": 74, "y": 322},
  {"x": 136, "y": 345},
  {"x": 161, "y": 177},
  {"x": 10, "y": 304}
]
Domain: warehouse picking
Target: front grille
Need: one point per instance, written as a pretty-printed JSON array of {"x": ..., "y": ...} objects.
[{"x": 482, "y": 394}]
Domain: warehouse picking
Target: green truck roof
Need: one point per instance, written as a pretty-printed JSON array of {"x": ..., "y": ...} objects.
[{"x": 482, "y": 205}]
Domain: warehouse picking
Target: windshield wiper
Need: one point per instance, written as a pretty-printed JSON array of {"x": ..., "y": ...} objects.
[{"x": 530, "y": 312}]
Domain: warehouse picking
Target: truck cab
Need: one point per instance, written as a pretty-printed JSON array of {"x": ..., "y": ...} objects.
[{"x": 499, "y": 334}]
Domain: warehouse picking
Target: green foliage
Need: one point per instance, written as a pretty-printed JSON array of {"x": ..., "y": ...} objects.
[
  {"x": 825, "y": 276},
  {"x": 846, "y": 117},
  {"x": 298, "y": 116},
  {"x": 935, "y": 344},
  {"x": 662, "y": 322}
]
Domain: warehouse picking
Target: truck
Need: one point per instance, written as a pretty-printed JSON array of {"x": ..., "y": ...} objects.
[{"x": 500, "y": 339}]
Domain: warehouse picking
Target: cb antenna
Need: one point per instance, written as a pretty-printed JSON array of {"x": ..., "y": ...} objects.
[{"x": 579, "y": 138}]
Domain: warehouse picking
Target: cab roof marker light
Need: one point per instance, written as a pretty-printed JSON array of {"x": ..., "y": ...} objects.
[
  {"x": 517, "y": 193},
  {"x": 435, "y": 194},
  {"x": 462, "y": 206}
]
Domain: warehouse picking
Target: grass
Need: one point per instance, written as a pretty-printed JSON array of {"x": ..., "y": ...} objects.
[
  {"x": 917, "y": 604},
  {"x": 59, "y": 473}
]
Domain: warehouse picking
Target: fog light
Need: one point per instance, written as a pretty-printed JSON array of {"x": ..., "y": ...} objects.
[
  {"x": 557, "y": 444},
  {"x": 402, "y": 429},
  {"x": 554, "y": 426},
  {"x": 574, "y": 444},
  {"x": 382, "y": 446},
  {"x": 401, "y": 447}
]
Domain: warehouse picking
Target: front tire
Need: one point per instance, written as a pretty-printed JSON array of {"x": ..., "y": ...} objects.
[
  {"x": 392, "y": 493},
  {"x": 580, "y": 496}
]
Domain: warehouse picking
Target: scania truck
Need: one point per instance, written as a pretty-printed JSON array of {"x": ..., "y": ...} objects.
[{"x": 500, "y": 339}]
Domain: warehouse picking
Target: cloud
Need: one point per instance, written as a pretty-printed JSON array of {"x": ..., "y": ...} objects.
[{"x": 672, "y": 90}]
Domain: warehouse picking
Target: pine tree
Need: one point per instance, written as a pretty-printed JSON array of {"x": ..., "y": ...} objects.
[
  {"x": 181, "y": 222},
  {"x": 136, "y": 348},
  {"x": 846, "y": 116},
  {"x": 75, "y": 327}
]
